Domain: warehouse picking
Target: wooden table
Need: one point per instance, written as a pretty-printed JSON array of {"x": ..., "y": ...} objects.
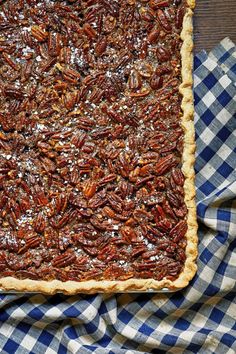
[{"x": 214, "y": 20}]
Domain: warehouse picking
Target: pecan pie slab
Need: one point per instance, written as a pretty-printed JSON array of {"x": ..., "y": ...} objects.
[{"x": 97, "y": 146}]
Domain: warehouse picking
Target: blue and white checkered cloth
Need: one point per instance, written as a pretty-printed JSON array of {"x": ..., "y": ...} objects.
[{"x": 199, "y": 319}]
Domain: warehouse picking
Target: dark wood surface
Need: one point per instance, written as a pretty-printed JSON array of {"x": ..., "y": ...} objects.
[{"x": 214, "y": 20}]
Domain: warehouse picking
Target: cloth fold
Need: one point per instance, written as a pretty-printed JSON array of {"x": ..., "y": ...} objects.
[{"x": 198, "y": 319}]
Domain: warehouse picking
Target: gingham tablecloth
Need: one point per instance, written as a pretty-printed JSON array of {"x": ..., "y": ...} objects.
[{"x": 199, "y": 319}]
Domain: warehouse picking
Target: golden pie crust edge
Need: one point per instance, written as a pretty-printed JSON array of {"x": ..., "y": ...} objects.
[{"x": 188, "y": 159}]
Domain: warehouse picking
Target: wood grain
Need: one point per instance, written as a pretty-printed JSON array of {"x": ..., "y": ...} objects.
[{"x": 214, "y": 20}]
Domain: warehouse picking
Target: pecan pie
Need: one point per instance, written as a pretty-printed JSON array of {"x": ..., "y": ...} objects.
[{"x": 96, "y": 145}]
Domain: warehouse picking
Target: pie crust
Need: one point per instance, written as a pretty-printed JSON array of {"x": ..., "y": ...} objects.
[{"x": 188, "y": 158}]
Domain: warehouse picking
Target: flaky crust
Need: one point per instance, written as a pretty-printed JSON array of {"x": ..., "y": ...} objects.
[{"x": 93, "y": 286}]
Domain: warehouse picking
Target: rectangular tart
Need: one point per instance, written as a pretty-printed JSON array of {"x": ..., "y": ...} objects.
[{"x": 96, "y": 146}]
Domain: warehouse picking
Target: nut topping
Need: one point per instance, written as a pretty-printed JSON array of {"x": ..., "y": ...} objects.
[{"x": 91, "y": 140}]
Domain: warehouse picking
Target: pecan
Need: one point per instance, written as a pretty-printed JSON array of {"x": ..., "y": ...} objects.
[
  {"x": 140, "y": 94},
  {"x": 145, "y": 70},
  {"x": 89, "y": 189},
  {"x": 163, "y": 69},
  {"x": 151, "y": 231},
  {"x": 107, "y": 179},
  {"x": 115, "y": 201},
  {"x": 179, "y": 16},
  {"x": 89, "y": 31},
  {"x": 39, "y": 223},
  {"x": 181, "y": 212},
  {"x": 85, "y": 123},
  {"x": 65, "y": 219},
  {"x": 180, "y": 256},
  {"x": 13, "y": 92},
  {"x": 65, "y": 55},
  {"x": 126, "y": 189},
  {"x": 100, "y": 225},
  {"x": 48, "y": 164},
  {"x": 141, "y": 214},
  {"x": 25, "y": 187},
  {"x": 31, "y": 241},
  {"x": 178, "y": 231},
  {"x": 39, "y": 196},
  {"x": 137, "y": 251},
  {"x": 61, "y": 203},
  {"x": 168, "y": 209},
  {"x": 145, "y": 266},
  {"x": 47, "y": 64},
  {"x": 101, "y": 133},
  {"x": 165, "y": 163},
  {"x": 92, "y": 251},
  {"x": 149, "y": 254},
  {"x": 173, "y": 199},
  {"x": 109, "y": 212},
  {"x": 96, "y": 95},
  {"x": 142, "y": 181},
  {"x": 134, "y": 80},
  {"x": 79, "y": 139},
  {"x": 128, "y": 234},
  {"x": 39, "y": 33},
  {"x": 164, "y": 225},
  {"x": 64, "y": 260},
  {"x": 54, "y": 44},
  {"x": 92, "y": 274},
  {"x": 153, "y": 36},
  {"x": 16, "y": 262},
  {"x": 177, "y": 176},
  {"x": 154, "y": 198},
  {"x": 115, "y": 116},
  {"x": 88, "y": 243},
  {"x": 148, "y": 157},
  {"x": 111, "y": 7},
  {"x": 163, "y": 20},
  {"x": 147, "y": 15},
  {"x": 71, "y": 76},
  {"x": 155, "y": 4},
  {"x": 10, "y": 61},
  {"x": 108, "y": 253},
  {"x": 143, "y": 50},
  {"x": 101, "y": 46},
  {"x": 74, "y": 176},
  {"x": 156, "y": 82},
  {"x": 162, "y": 53},
  {"x": 146, "y": 170}
]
